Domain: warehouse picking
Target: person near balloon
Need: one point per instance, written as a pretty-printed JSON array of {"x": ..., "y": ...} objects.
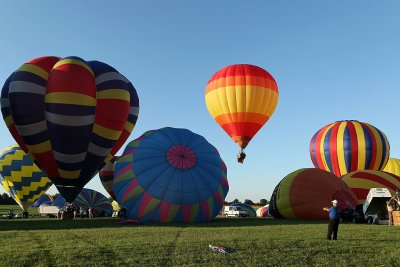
[
  {"x": 90, "y": 211},
  {"x": 334, "y": 220},
  {"x": 389, "y": 207}
]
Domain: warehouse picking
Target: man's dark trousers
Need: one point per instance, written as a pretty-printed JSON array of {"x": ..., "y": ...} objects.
[{"x": 333, "y": 228}]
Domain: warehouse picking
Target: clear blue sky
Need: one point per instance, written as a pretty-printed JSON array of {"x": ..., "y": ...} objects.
[{"x": 332, "y": 60}]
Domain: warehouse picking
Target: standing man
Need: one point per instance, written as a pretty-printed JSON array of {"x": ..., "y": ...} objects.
[
  {"x": 334, "y": 219},
  {"x": 390, "y": 211}
]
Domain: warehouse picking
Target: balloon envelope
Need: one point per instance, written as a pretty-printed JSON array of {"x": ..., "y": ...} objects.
[
  {"x": 241, "y": 98},
  {"x": 361, "y": 182},
  {"x": 302, "y": 195},
  {"x": 345, "y": 146},
  {"x": 263, "y": 211},
  {"x": 106, "y": 175},
  {"x": 90, "y": 198},
  {"x": 70, "y": 116},
  {"x": 393, "y": 166},
  {"x": 171, "y": 175},
  {"x": 45, "y": 198},
  {"x": 21, "y": 178}
]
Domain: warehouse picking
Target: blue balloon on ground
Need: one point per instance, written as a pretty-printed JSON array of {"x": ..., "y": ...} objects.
[{"x": 171, "y": 175}]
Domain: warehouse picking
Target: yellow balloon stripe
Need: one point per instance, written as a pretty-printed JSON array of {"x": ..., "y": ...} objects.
[
  {"x": 173, "y": 210},
  {"x": 129, "y": 126},
  {"x": 253, "y": 99},
  {"x": 113, "y": 94},
  {"x": 283, "y": 203},
  {"x": 151, "y": 205},
  {"x": 70, "y": 98},
  {"x": 321, "y": 147},
  {"x": 362, "y": 183},
  {"x": 69, "y": 174},
  {"x": 340, "y": 152},
  {"x": 379, "y": 148},
  {"x": 40, "y": 148},
  {"x": 106, "y": 132},
  {"x": 35, "y": 70},
  {"x": 393, "y": 166},
  {"x": 73, "y": 61},
  {"x": 9, "y": 121},
  {"x": 361, "y": 145}
]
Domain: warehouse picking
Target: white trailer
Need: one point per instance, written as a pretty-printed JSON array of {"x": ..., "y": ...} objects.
[
  {"x": 374, "y": 207},
  {"x": 48, "y": 211}
]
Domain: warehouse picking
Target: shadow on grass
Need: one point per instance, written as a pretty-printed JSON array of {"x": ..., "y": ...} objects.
[{"x": 54, "y": 224}]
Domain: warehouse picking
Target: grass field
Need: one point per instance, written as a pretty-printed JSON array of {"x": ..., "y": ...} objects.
[{"x": 254, "y": 241}]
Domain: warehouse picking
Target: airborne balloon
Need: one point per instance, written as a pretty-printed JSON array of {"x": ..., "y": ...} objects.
[{"x": 241, "y": 98}]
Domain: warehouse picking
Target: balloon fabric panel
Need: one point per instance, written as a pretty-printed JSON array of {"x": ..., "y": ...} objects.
[
  {"x": 78, "y": 115},
  {"x": 241, "y": 98},
  {"x": 21, "y": 178},
  {"x": 361, "y": 182},
  {"x": 346, "y": 146},
  {"x": 393, "y": 166},
  {"x": 170, "y": 175}
]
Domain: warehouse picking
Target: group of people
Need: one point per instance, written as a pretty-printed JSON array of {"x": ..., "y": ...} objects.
[{"x": 78, "y": 212}]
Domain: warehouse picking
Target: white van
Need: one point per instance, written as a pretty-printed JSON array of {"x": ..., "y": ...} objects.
[{"x": 234, "y": 211}]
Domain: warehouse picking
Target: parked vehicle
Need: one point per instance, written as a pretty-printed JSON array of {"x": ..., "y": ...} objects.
[
  {"x": 374, "y": 207},
  {"x": 48, "y": 211},
  {"x": 234, "y": 211}
]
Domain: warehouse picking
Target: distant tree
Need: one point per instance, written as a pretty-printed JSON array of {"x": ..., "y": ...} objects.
[
  {"x": 263, "y": 202},
  {"x": 226, "y": 203},
  {"x": 236, "y": 201},
  {"x": 248, "y": 202}
]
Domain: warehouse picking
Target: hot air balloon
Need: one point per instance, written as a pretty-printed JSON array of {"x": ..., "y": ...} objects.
[
  {"x": 70, "y": 116},
  {"x": 45, "y": 198},
  {"x": 21, "y": 178},
  {"x": 392, "y": 166},
  {"x": 361, "y": 182},
  {"x": 251, "y": 212},
  {"x": 303, "y": 193},
  {"x": 106, "y": 175},
  {"x": 171, "y": 175},
  {"x": 263, "y": 211},
  {"x": 98, "y": 202},
  {"x": 346, "y": 146},
  {"x": 241, "y": 98}
]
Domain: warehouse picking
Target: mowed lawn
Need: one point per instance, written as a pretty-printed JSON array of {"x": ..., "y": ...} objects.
[{"x": 253, "y": 241}]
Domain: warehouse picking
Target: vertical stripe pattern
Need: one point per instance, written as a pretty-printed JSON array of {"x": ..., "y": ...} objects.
[{"x": 345, "y": 146}]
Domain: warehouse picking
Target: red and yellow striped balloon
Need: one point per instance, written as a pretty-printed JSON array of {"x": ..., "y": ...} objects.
[
  {"x": 241, "y": 98},
  {"x": 345, "y": 146},
  {"x": 361, "y": 182}
]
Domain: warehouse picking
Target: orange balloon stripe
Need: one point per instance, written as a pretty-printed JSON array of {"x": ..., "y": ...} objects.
[
  {"x": 240, "y": 81},
  {"x": 250, "y": 117}
]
